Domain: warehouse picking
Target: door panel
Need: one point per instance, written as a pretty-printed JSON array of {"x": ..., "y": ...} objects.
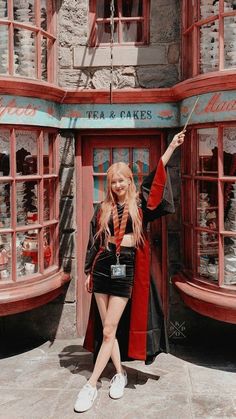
[{"x": 142, "y": 153}]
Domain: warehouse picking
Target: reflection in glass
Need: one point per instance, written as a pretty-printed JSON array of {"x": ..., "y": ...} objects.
[
  {"x": 24, "y": 11},
  {"x": 5, "y": 257},
  {"x": 141, "y": 160},
  {"x": 209, "y": 8},
  {"x": 207, "y": 205},
  {"x": 120, "y": 154},
  {"x": 24, "y": 53},
  {"x": 230, "y": 206},
  {"x": 5, "y": 213},
  {"x": 229, "y": 148},
  {"x": 209, "y": 47},
  {"x": 4, "y": 152},
  {"x": 99, "y": 188},
  {"x": 207, "y": 151},
  {"x": 132, "y": 32},
  {"x": 27, "y": 202},
  {"x": 48, "y": 156},
  {"x": 229, "y": 41},
  {"x": 187, "y": 196},
  {"x": 188, "y": 245},
  {"x": 132, "y": 8},
  {"x": 230, "y": 260},
  {"x": 3, "y": 48},
  {"x": 103, "y": 9},
  {"x": 101, "y": 160},
  {"x": 188, "y": 57},
  {"x": 49, "y": 195},
  {"x": 104, "y": 33},
  {"x": 26, "y": 153},
  {"x": 27, "y": 253},
  {"x": 44, "y": 58},
  {"x": 187, "y": 169},
  {"x": 43, "y": 14},
  {"x": 229, "y": 5},
  {"x": 207, "y": 262},
  {"x": 3, "y": 10}
]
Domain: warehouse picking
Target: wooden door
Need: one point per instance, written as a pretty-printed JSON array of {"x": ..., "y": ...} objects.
[{"x": 142, "y": 153}]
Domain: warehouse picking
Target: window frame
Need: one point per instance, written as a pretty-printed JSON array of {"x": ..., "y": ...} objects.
[
  {"x": 93, "y": 41},
  {"x": 190, "y": 225},
  {"x": 192, "y": 29},
  {"x": 40, "y": 33},
  {"x": 42, "y": 224}
]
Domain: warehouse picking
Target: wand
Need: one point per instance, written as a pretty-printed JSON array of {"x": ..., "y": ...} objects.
[{"x": 190, "y": 114}]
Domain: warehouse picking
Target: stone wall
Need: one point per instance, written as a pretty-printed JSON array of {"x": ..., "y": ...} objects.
[{"x": 86, "y": 68}]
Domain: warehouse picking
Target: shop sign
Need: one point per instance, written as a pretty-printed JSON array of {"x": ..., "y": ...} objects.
[
  {"x": 28, "y": 111},
  {"x": 120, "y": 116},
  {"x": 211, "y": 107}
]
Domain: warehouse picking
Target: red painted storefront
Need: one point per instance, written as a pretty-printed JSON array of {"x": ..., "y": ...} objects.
[{"x": 206, "y": 282}]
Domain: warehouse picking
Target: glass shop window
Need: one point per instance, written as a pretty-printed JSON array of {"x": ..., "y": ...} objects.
[
  {"x": 209, "y": 220},
  {"x": 28, "y": 203},
  {"x": 130, "y": 23},
  {"x": 27, "y": 39},
  {"x": 209, "y": 36}
]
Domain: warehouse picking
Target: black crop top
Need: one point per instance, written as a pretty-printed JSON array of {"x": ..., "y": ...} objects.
[{"x": 129, "y": 227}]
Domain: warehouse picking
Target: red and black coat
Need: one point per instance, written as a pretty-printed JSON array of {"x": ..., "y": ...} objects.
[{"x": 142, "y": 330}]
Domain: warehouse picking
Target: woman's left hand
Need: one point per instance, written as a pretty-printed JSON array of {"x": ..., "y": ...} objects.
[{"x": 178, "y": 139}]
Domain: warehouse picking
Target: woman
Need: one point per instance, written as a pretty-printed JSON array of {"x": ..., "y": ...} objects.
[{"x": 130, "y": 322}]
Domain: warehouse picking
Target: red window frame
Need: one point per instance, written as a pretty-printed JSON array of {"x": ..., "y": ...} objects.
[
  {"x": 42, "y": 224},
  {"x": 93, "y": 20},
  {"x": 39, "y": 33},
  {"x": 191, "y": 26},
  {"x": 191, "y": 228}
]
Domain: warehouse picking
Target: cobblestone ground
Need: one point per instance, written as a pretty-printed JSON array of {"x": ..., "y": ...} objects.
[{"x": 190, "y": 382}]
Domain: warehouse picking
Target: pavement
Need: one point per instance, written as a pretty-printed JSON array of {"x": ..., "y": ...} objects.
[{"x": 195, "y": 380}]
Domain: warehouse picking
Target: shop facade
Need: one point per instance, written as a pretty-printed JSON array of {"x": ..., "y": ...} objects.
[{"x": 73, "y": 101}]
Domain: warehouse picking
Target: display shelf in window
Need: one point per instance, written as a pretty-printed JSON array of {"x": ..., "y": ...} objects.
[
  {"x": 29, "y": 219},
  {"x": 230, "y": 206},
  {"x": 5, "y": 258},
  {"x": 207, "y": 255},
  {"x": 230, "y": 260},
  {"x": 207, "y": 282},
  {"x": 207, "y": 205}
]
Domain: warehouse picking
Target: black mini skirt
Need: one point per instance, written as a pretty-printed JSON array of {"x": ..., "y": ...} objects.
[{"x": 102, "y": 281}]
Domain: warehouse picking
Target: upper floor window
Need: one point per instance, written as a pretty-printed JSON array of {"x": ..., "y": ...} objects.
[
  {"x": 27, "y": 39},
  {"x": 209, "y": 40},
  {"x": 130, "y": 23}
]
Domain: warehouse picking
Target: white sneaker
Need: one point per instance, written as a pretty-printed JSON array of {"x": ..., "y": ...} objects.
[
  {"x": 117, "y": 385},
  {"x": 85, "y": 398}
]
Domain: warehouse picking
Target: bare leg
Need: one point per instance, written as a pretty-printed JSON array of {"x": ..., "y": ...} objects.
[
  {"x": 102, "y": 303},
  {"x": 116, "y": 306}
]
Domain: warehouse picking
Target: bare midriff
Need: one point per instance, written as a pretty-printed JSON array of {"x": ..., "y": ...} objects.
[{"x": 128, "y": 240}]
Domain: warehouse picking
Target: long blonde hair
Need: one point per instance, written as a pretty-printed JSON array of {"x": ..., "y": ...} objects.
[{"x": 132, "y": 198}]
